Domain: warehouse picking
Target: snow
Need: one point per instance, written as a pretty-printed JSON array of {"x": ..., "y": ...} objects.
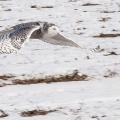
[
  {"x": 84, "y": 99},
  {"x": 95, "y": 99}
]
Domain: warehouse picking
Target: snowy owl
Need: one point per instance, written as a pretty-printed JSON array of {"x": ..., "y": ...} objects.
[{"x": 12, "y": 39}]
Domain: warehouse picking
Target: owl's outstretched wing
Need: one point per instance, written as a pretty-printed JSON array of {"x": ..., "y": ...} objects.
[
  {"x": 17, "y": 35},
  {"x": 21, "y": 35},
  {"x": 61, "y": 40},
  {"x": 58, "y": 39}
]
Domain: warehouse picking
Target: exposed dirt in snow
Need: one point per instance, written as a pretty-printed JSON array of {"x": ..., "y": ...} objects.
[
  {"x": 36, "y": 112},
  {"x": 50, "y": 79},
  {"x": 12, "y": 80},
  {"x": 102, "y": 35}
]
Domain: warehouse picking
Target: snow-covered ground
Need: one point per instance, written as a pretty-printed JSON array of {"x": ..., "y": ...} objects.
[{"x": 98, "y": 98}]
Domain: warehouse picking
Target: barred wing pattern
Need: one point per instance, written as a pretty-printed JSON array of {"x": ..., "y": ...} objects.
[
  {"x": 13, "y": 39},
  {"x": 18, "y": 37},
  {"x": 4, "y": 35}
]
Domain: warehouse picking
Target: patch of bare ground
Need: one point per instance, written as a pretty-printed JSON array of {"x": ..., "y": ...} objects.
[
  {"x": 6, "y": 77},
  {"x": 79, "y": 21},
  {"x": 21, "y": 20},
  {"x": 102, "y": 35},
  {"x": 90, "y": 4},
  {"x": 8, "y": 10},
  {"x": 114, "y": 30},
  {"x": 39, "y": 7},
  {"x": 110, "y": 74},
  {"x": 75, "y": 76},
  {"x": 108, "y": 11},
  {"x": 98, "y": 49},
  {"x": 34, "y": 6},
  {"x": 96, "y": 117},
  {"x": 47, "y": 7},
  {"x": 111, "y": 53},
  {"x": 36, "y": 113},
  {"x": 105, "y": 19},
  {"x": 3, "y": 114}
]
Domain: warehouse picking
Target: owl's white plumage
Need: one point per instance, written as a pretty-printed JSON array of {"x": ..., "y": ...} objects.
[{"x": 52, "y": 31}]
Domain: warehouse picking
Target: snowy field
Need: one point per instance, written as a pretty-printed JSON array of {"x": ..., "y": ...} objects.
[{"x": 93, "y": 92}]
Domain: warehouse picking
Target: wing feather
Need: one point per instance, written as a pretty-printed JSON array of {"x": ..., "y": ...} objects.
[{"x": 19, "y": 34}]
